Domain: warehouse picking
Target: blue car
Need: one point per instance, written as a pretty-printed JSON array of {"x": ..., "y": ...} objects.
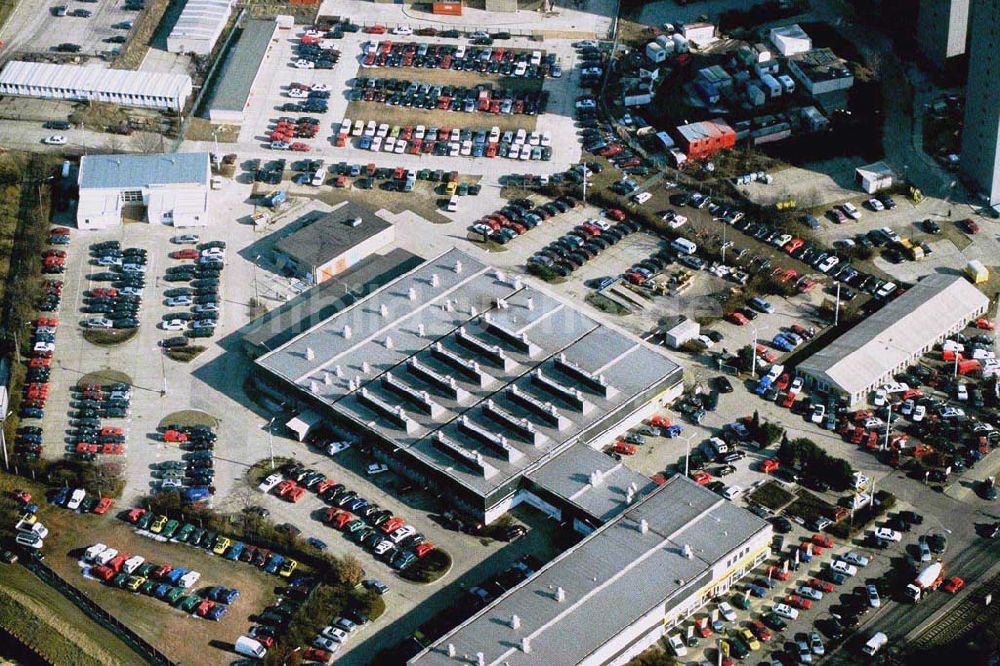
[
  {"x": 175, "y": 575},
  {"x": 782, "y": 343},
  {"x": 217, "y": 612},
  {"x": 673, "y": 431},
  {"x": 274, "y": 563},
  {"x": 223, "y": 595},
  {"x": 61, "y": 496},
  {"x": 161, "y": 590},
  {"x": 234, "y": 551},
  {"x": 316, "y": 543},
  {"x": 365, "y": 143}
]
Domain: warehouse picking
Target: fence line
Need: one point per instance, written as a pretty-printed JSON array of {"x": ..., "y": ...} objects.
[{"x": 141, "y": 647}]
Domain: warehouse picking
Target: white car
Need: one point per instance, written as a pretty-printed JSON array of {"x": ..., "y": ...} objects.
[
  {"x": 185, "y": 239},
  {"x": 298, "y": 93},
  {"x": 105, "y": 556},
  {"x": 880, "y": 398},
  {"x": 213, "y": 252},
  {"x": 324, "y": 643},
  {"x": 54, "y": 140},
  {"x": 873, "y": 599},
  {"x": 133, "y": 563},
  {"x": 727, "y": 612},
  {"x": 962, "y": 392},
  {"x": 74, "y": 500},
  {"x": 173, "y": 325},
  {"x": 732, "y": 492},
  {"x": 855, "y": 558},
  {"x": 336, "y": 633},
  {"x": 319, "y": 87},
  {"x": 305, "y": 64},
  {"x": 886, "y": 534},
  {"x": 376, "y": 468},
  {"x": 175, "y": 301},
  {"x": 43, "y": 347},
  {"x": 383, "y": 547},
  {"x": 851, "y": 211},
  {"x": 93, "y": 551},
  {"x": 336, "y": 447},
  {"x": 402, "y": 30},
  {"x": 796, "y": 385},
  {"x": 946, "y": 413},
  {"x": 919, "y": 412},
  {"x": 188, "y": 580},
  {"x": 817, "y": 414},
  {"x": 270, "y": 482},
  {"x": 642, "y": 197},
  {"x": 677, "y": 645},
  {"x": 827, "y": 264},
  {"x": 844, "y": 568},
  {"x": 206, "y": 307},
  {"x": 786, "y": 611},
  {"x": 96, "y": 322},
  {"x": 875, "y": 205},
  {"x": 586, "y": 103},
  {"x": 29, "y": 540},
  {"x": 809, "y": 592},
  {"x": 203, "y": 323}
]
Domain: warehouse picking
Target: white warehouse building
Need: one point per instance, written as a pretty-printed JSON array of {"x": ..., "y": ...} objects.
[
  {"x": 884, "y": 344},
  {"x": 199, "y": 26},
  {"x": 173, "y": 189},
  {"x": 96, "y": 84}
]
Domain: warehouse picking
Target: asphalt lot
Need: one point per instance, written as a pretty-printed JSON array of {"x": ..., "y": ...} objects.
[{"x": 33, "y": 28}]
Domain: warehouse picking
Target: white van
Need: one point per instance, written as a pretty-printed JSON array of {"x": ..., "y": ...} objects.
[
  {"x": 319, "y": 177},
  {"x": 453, "y": 204},
  {"x": 875, "y": 643},
  {"x": 683, "y": 246},
  {"x": 250, "y": 648}
]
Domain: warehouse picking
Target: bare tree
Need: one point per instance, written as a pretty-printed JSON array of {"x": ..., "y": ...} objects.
[
  {"x": 113, "y": 144},
  {"x": 148, "y": 142}
]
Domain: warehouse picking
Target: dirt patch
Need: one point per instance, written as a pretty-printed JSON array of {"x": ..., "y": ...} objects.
[
  {"x": 106, "y": 376},
  {"x": 184, "y": 354},
  {"x": 190, "y": 417},
  {"x": 810, "y": 507},
  {"x": 403, "y": 116},
  {"x": 200, "y": 129}
]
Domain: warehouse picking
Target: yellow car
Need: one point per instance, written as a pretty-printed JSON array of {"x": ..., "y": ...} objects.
[
  {"x": 450, "y": 188},
  {"x": 749, "y": 639},
  {"x": 29, "y": 519},
  {"x": 157, "y": 525},
  {"x": 135, "y": 582},
  {"x": 221, "y": 544},
  {"x": 288, "y": 567}
]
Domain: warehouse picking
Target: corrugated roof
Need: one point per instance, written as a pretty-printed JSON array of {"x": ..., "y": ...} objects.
[
  {"x": 95, "y": 79},
  {"x": 138, "y": 171},
  {"x": 610, "y": 579},
  {"x": 201, "y": 19},
  {"x": 897, "y": 332},
  {"x": 704, "y": 129},
  {"x": 235, "y": 79}
]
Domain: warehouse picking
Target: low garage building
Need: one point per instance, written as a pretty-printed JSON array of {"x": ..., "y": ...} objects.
[
  {"x": 236, "y": 79},
  {"x": 95, "y": 84},
  {"x": 326, "y": 244},
  {"x": 199, "y": 26},
  {"x": 172, "y": 188},
  {"x": 888, "y": 341}
]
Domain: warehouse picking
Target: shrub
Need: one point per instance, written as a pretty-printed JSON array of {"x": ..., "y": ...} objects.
[{"x": 428, "y": 568}]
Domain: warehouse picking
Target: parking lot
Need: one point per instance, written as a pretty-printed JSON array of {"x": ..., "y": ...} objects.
[{"x": 34, "y": 28}]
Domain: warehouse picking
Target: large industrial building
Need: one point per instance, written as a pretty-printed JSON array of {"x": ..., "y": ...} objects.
[
  {"x": 326, "y": 244},
  {"x": 618, "y": 591},
  {"x": 942, "y": 28},
  {"x": 469, "y": 380},
  {"x": 172, "y": 189},
  {"x": 888, "y": 341},
  {"x": 199, "y": 26},
  {"x": 236, "y": 79},
  {"x": 96, "y": 84},
  {"x": 981, "y": 131}
]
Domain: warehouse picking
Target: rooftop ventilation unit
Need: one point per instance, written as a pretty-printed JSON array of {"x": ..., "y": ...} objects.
[
  {"x": 467, "y": 367},
  {"x": 544, "y": 410},
  {"x": 446, "y": 385},
  {"x": 524, "y": 428},
  {"x": 469, "y": 459},
  {"x": 421, "y": 399},
  {"x": 494, "y": 440},
  {"x": 397, "y": 415},
  {"x": 518, "y": 341},
  {"x": 592, "y": 382},
  {"x": 570, "y": 395},
  {"x": 493, "y": 353}
]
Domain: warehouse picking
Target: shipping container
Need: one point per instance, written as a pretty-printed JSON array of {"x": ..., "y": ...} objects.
[{"x": 447, "y": 8}]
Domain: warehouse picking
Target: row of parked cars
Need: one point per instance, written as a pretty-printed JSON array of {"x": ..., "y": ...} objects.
[
  {"x": 387, "y": 536},
  {"x": 201, "y": 294},
  {"x": 518, "y": 216},
  {"x": 487, "y": 60},
  {"x": 449, "y": 141},
  {"x": 177, "y": 531},
  {"x": 89, "y": 405},
  {"x": 315, "y": 52},
  {"x": 196, "y": 470},
  {"x": 577, "y": 247},
  {"x": 165, "y": 582},
  {"x": 117, "y": 306},
  {"x": 481, "y": 98}
]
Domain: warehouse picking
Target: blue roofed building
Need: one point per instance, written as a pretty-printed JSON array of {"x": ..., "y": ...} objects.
[{"x": 163, "y": 188}]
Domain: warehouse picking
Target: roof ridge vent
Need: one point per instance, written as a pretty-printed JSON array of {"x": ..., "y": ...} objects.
[
  {"x": 348, "y": 331},
  {"x": 310, "y": 354},
  {"x": 435, "y": 280},
  {"x": 458, "y": 266},
  {"x": 411, "y": 293},
  {"x": 688, "y": 553}
]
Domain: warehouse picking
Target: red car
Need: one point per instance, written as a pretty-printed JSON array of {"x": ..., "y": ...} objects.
[
  {"x": 624, "y": 448},
  {"x": 103, "y": 505},
  {"x": 59, "y": 231},
  {"x": 135, "y": 514},
  {"x": 768, "y": 466},
  {"x": 187, "y": 253},
  {"x": 777, "y": 573},
  {"x": 204, "y": 607},
  {"x": 660, "y": 421},
  {"x": 822, "y": 540},
  {"x": 377, "y": 29},
  {"x": 760, "y": 631},
  {"x": 701, "y": 478},
  {"x": 614, "y": 214},
  {"x": 793, "y": 245},
  {"x": 737, "y": 318},
  {"x": 299, "y": 147},
  {"x": 392, "y": 524},
  {"x": 422, "y": 549},
  {"x": 985, "y": 324},
  {"x": 175, "y": 436},
  {"x": 953, "y": 585},
  {"x": 821, "y": 585},
  {"x": 112, "y": 430},
  {"x": 783, "y": 381},
  {"x": 341, "y": 519},
  {"x": 969, "y": 227},
  {"x": 796, "y": 601},
  {"x": 315, "y": 654},
  {"x": 295, "y": 494}
]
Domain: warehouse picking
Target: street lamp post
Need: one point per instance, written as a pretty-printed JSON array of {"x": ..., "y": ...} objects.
[
  {"x": 270, "y": 440},
  {"x": 3, "y": 439}
]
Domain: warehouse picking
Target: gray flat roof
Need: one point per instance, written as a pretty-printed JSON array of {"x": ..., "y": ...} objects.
[
  {"x": 897, "y": 332},
  {"x": 138, "y": 171},
  {"x": 610, "y": 579},
  {"x": 328, "y": 298},
  {"x": 479, "y": 389},
  {"x": 593, "y": 481},
  {"x": 325, "y": 236},
  {"x": 234, "y": 81}
]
